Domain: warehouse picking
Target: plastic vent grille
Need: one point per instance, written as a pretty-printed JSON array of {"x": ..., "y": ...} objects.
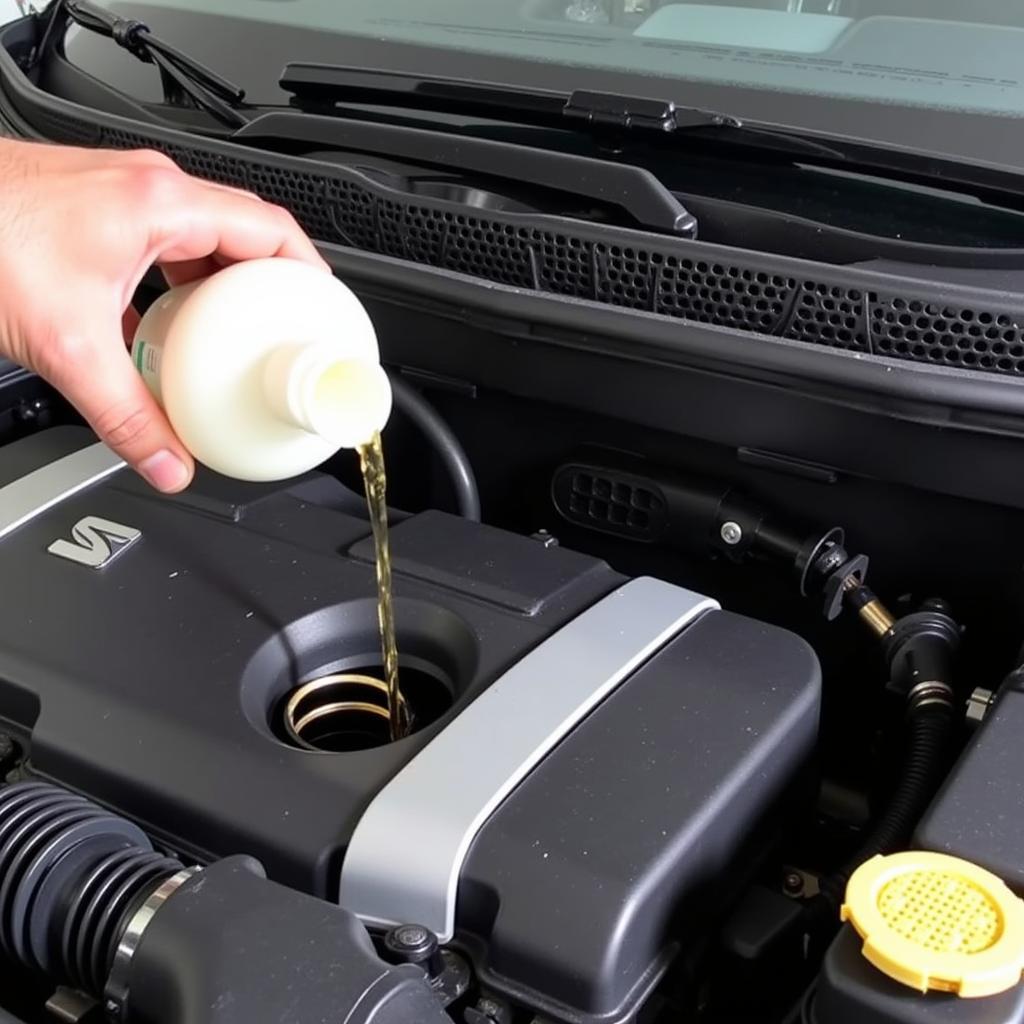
[
  {"x": 484, "y": 248},
  {"x": 566, "y": 265},
  {"x": 345, "y": 207},
  {"x": 414, "y": 232},
  {"x": 831, "y": 316},
  {"x": 712, "y": 293},
  {"x": 352, "y": 213},
  {"x": 929, "y": 333},
  {"x": 604, "y": 500},
  {"x": 626, "y": 276}
]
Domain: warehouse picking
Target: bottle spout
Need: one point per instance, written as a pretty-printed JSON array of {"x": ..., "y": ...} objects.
[{"x": 344, "y": 400}]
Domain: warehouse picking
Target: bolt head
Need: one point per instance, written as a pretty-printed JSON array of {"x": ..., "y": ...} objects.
[
  {"x": 411, "y": 943},
  {"x": 793, "y": 883},
  {"x": 411, "y": 935},
  {"x": 732, "y": 533}
]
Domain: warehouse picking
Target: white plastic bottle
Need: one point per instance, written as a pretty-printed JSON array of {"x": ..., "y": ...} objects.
[{"x": 264, "y": 369}]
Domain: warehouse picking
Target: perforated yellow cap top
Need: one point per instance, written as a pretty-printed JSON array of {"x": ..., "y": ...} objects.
[{"x": 932, "y": 921}]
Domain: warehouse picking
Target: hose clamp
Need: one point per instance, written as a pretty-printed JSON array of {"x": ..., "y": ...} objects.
[
  {"x": 115, "y": 995},
  {"x": 930, "y": 692},
  {"x": 978, "y": 705}
]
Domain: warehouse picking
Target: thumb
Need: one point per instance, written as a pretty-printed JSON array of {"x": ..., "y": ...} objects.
[{"x": 98, "y": 378}]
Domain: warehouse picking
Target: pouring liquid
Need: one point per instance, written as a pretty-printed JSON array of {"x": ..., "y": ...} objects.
[{"x": 371, "y": 458}]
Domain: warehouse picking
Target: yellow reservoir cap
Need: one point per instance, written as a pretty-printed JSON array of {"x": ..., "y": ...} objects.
[{"x": 935, "y": 922}]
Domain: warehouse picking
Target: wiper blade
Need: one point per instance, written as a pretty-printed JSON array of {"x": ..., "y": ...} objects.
[
  {"x": 318, "y": 88},
  {"x": 185, "y": 79},
  {"x": 620, "y": 122},
  {"x": 636, "y": 191}
]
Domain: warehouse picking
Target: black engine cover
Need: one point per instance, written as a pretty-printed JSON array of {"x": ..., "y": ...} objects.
[{"x": 152, "y": 685}]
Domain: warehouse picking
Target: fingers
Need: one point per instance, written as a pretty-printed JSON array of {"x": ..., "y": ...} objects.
[
  {"x": 233, "y": 189},
  {"x": 96, "y": 375},
  {"x": 194, "y": 229},
  {"x": 189, "y": 270},
  {"x": 129, "y": 324},
  {"x": 192, "y": 270},
  {"x": 139, "y": 209},
  {"x": 192, "y": 220}
]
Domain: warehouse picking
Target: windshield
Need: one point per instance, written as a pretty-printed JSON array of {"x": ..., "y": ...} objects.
[{"x": 781, "y": 61}]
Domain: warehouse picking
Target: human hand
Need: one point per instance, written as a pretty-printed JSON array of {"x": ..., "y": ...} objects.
[{"x": 79, "y": 228}]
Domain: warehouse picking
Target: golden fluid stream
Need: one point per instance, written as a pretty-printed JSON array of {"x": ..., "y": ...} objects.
[{"x": 371, "y": 458}]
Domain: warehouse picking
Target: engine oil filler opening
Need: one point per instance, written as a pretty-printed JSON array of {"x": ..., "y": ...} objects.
[{"x": 348, "y": 711}]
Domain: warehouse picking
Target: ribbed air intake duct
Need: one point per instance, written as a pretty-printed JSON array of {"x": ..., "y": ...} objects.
[
  {"x": 71, "y": 877},
  {"x": 88, "y": 903}
]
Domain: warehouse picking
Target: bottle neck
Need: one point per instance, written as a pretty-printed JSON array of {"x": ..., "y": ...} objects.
[{"x": 345, "y": 401}]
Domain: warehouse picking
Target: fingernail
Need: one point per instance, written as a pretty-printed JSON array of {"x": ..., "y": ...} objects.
[{"x": 164, "y": 471}]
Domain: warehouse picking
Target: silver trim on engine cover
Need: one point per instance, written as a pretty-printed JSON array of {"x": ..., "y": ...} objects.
[
  {"x": 404, "y": 861},
  {"x": 31, "y": 495}
]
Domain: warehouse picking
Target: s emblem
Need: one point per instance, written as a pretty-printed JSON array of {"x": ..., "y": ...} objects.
[{"x": 95, "y": 542}]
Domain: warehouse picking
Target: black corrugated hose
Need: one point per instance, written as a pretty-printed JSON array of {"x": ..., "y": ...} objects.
[
  {"x": 920, "y": 649},
  {"x": 73, "y": 874},
  {"x": 930, "y": 730}
]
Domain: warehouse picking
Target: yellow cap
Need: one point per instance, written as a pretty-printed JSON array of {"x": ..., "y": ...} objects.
[{"x": 935, "y": 922}]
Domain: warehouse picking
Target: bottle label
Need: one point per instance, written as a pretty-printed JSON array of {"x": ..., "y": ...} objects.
[{"x": 147, "y": 357}]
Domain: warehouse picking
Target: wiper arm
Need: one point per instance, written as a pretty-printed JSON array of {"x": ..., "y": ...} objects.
[
  {"x": 620, "y": 121},
  {"x": 609, "y": 111},
  {"x": 616, "y": 116},
  {"x": 636, "y": 191},
  {"x": 613, "y": 118},
  {"x": 184, "y": 78}
]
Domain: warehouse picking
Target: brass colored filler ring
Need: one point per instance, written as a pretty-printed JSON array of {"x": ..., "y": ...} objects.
[{"x": 333, "y": 697}]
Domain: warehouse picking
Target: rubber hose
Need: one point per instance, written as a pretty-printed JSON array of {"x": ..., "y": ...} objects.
[
  {"x": 445, "y": 443},
  {"x": 930, "y": 729},
  {"x": 71, "y": 875}
]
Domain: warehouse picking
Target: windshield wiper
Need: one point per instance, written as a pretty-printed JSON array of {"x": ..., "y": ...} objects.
[
  {"x": 609, "y": 117},
  {"x": 185, "y": 80},
  {"x": 621, "y": 123},
  {"x": 634, "y": 190}
]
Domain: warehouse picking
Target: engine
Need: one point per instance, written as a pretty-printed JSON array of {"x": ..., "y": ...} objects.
[{"x": 191, "y": 681}]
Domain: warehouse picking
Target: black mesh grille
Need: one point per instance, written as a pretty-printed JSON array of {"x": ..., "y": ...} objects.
[
  {"x": 341, "y": 206},
  {"x": 66, "y": 128},
  {"x": 717, "y": 294},
  {"x": 626, "y": 276},
  {"x": 603, "y": 500},
  {"x": 949, "y": 336},
  {"x": 412, "y": 232},
  {"x": 351, "y": 213},
  {"x": 565, "y": 265},
  {"x": 830, "y": 315},
  {"x": 600, "y": 499},
  {"x": 489, "y": 249}
]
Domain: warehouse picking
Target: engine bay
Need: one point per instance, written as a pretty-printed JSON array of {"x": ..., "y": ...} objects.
[
  {"x": 660, "y": 714},
  {"x": 561, "y": 685},
  {"x": 703, "y": 490}
]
